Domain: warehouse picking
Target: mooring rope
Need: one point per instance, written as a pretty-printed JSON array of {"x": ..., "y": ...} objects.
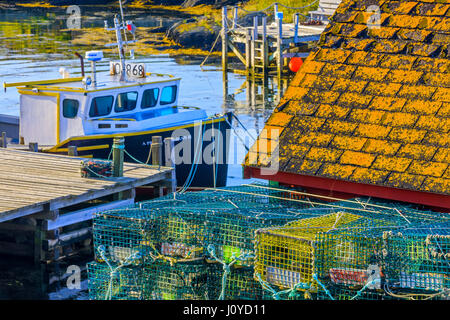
[{"x": 193, "y": 170}]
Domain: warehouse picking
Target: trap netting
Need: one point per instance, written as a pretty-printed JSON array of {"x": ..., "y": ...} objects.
[
  {"x": 394, "y": 213},
  {"x": 285, "y": 256},
  {"x": 182, "y": 226},
  {"x": 125, "y": 283},
  {"x": 416, "y": 262},
  {"x": 406, "y": 262}
]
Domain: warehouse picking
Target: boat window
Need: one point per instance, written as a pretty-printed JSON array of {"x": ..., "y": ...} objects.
[
  {"x": 150, "y": 98},
  {"x": 126, "y": 101},
  {"x": 168, "y": 95},
  {"x": 101, "y": 106},
  {"x": 70, "y": 108}
]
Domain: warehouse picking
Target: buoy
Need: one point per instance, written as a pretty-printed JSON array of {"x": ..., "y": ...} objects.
[{"x": 295, "y": 64}]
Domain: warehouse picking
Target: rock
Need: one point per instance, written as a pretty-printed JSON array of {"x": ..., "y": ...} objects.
[{"x": 193, "y": 33}]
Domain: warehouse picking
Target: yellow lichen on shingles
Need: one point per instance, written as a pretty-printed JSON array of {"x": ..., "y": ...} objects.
[
  {"x": 357, "y": 158},
  {"x": 387, "y": 103},
  {"x": 373, "y": 131},
  {"x": 279, "y": 119},
  {"x": 439, "y": 185},
  {"x": 348, "y": 143},
  {"x": 384, "y": 147},
  {"x": 391, "y": 163},
  {"x": 323, "y": 154},
  {"x": 399, "y": 119},
  {"x": 367, "y": 175},
  {"x": 422, "y": 106},
  {"x": 404, "y": 76},
  {"x": 417, "y": 151},
  {"x": 405, "y": 181},
  {"x": 398, "y": 61},
  {"x": 407, "y": 135},
  {"x": 442, "y": 155},
  {"x": 338, "y": 171},
  {"x": 428, "y": 168}
]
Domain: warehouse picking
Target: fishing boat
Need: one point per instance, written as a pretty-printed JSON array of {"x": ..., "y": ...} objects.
[{"x": 87, "y": 112}]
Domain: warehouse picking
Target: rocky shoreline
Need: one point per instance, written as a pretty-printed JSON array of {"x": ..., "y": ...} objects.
[{"x": 197, "y": 31}]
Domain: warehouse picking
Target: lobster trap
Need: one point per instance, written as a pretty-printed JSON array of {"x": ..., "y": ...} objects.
[
  {"x": 180, "y": 281},
  {"x": 127, "y": 283},
  {"x": 417, "y": 262},
  {"x": 286, "y": 256}
]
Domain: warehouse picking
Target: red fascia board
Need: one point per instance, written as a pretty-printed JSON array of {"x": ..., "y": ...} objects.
[{"x": 424, "y": 198}]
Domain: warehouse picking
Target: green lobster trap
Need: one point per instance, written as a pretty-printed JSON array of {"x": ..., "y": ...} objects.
[
  {"x": 126, "y": 283},
  {"x": 417, "y": 262},
  {"x": 181, "y": 281}
]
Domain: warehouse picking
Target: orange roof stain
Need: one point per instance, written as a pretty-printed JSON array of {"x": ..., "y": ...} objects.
[{"x": 372, "y": 103}]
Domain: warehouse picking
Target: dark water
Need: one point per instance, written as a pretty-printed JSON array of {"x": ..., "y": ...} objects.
[{"x": 35, "y": 43}]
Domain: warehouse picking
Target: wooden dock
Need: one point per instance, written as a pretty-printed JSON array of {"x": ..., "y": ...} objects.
[
  {"x": 43, "y": 198},
  {"x": 267, "y": 47}
]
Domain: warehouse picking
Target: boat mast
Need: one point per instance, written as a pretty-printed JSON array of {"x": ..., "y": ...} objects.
[{"x": 118, "y": 29}]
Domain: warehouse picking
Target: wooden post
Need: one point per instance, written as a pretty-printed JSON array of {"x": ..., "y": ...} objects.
[
  {"x": 224, "y": 40},
  {"x": 296, "y": 21},
  {"x": 118, "y": 151},
  {"x": 72, "y": 151},
  {"x": 265, "y": 47},
  {"x": 235, "y": 16},
  {"x": 254, "y": 43},
  {"x": 279, "y": 46},
  {"x": 156, "y": 150},
  {"x": 39, "y": 237},
  {"x": 3, "y": 140},
  {"x": 33, "y": 146},
  {"x": 169, "y": 145},
  {"x": 248, "y": 50}
]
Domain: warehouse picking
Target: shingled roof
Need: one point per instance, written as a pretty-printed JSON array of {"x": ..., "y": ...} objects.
[{"x": 371, "y": 105}]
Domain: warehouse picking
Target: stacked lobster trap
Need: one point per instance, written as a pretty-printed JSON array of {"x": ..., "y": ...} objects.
[{"x": 257, "y": 242}]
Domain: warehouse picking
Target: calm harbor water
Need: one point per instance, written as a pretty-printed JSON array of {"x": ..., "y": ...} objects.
[{"x": 35, "y": 43}]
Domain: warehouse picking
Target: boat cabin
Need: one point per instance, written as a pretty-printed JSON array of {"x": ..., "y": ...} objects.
[{"x": 55, "y": 110}]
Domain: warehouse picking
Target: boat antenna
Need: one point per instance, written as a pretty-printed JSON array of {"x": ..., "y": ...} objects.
[
  {"x": 118, "y": 29},
  {"x": 123, "y": 21}
]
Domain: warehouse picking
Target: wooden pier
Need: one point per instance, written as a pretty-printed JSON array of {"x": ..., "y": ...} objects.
[
  {"x": 266, "y": 46},
  {"x": 46, "y": 205}
]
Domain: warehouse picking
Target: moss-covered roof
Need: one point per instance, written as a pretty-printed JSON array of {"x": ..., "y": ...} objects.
[{"x": 370, "y": 105}]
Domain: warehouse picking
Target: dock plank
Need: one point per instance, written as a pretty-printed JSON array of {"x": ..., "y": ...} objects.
[{"x": 32, "y": 181}]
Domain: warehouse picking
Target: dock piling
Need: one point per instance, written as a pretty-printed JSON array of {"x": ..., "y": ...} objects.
[
  {"x": 224, "y": 40},
  {"x": 169, "y": 145},
  {"x": 118, "y": 155},
  {"x": 3, "y": 143},
  {"x": 72, "y": 151},
  {"x": 33, "y": 146},
  {"x": 156, "y": 150},
  {"x": 279, "y": 20}
]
